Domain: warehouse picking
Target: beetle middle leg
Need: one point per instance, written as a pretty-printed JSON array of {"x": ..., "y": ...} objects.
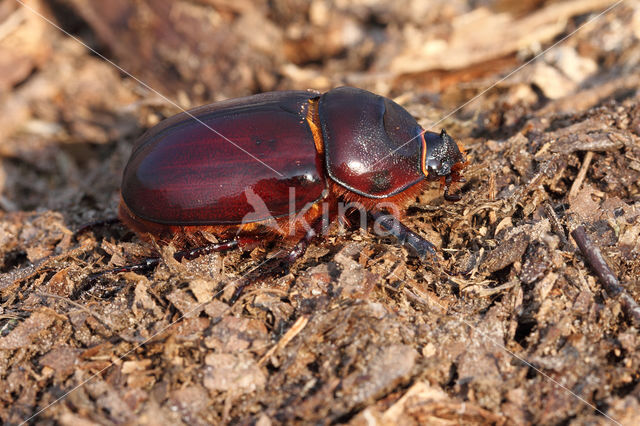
[{"x": 278, "y": 264}]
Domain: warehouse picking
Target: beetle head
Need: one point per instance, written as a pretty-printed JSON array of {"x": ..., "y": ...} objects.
[{"x": 442, "y": 159}]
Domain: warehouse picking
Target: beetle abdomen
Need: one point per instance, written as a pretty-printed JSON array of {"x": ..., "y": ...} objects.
[
  {"x": 371, "y": 144},
  {"x": 184, "y": 173}
]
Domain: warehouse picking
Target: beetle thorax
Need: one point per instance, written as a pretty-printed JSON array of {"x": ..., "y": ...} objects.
[{"x": 441, "y": 155}]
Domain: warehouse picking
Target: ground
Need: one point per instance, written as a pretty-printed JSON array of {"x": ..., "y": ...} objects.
[{"x": 512, "y": 325}]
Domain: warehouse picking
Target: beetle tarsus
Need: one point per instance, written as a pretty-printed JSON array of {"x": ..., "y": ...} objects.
[
  {"x": 204, "y": 250},
  {"x": 96, "y": 224},
  {"x": 145, "y": 265},
  {"x": 238, "y": 292},
  {"x": 416, "y": 245},
  {"x": 301, "y": 247},
  {"x": 152, "y": 262}
]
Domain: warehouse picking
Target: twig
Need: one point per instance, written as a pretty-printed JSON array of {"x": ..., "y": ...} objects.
[
  {"x": 288, "y": 336},
  {"x": 609, "y": 281},
  {"x": 575, "y": 187}
]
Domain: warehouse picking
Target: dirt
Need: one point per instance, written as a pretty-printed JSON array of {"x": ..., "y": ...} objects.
[{"x": 511, "y": 326}]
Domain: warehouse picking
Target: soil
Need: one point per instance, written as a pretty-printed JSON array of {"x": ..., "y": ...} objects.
[{"x": 513, "y": 324}]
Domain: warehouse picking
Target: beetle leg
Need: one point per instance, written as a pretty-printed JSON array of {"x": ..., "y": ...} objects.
[
  {"x": 447, "y": 196},
  {"x": 204, "y": 250},
  {"x": 92, "y": 225},
  {"x": 148, "y": 263},
  {"x": 301, "y": 247},
  {"x": 152, "y": 262},
  {"x": 416, "y": 245},
  {"x": 278, "y": 264},
  {"x": 451, "y": 197}
]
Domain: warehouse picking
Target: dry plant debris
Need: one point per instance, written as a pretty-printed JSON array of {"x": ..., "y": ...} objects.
[{"x": 513, "y": 326}]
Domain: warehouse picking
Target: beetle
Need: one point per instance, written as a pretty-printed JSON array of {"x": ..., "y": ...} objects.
[{"x": 243, "y": 168}]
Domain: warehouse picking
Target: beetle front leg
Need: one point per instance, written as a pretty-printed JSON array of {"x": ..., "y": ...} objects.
[
  {"x": 417, "y": 245},
  {"x": 447, "y": 195}
]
